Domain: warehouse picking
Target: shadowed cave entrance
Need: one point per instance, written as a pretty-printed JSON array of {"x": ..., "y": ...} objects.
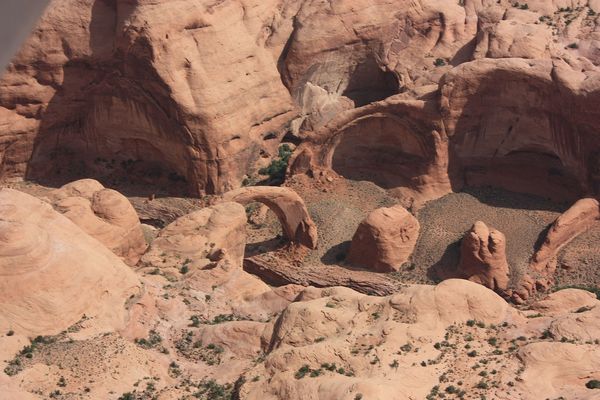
[{"x": 381, "y": 149}]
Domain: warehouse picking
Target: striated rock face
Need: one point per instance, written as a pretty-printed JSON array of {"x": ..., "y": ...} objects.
[
  {"x": 104, "y": 214},
  {"x": 53, "y": 273},
  {"x": 483, "y": 257},
  {"x": 189, "y": 93},
  {"x": 290, "y": 209},
  {"x": 384, "y": 240},
  {"x": 397, "y": 143},
  {"x": 131, "y": 88},
  {"x": 531, "y": 134}
]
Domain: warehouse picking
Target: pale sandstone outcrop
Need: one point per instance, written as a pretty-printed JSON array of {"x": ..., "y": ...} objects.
[
  {"x": 338, "y": 326},
  {"x": 104, "y": 214},
  {"x": 483, "y": 257},
  {"x": 289, "y": 207},
  {"x": 384, "y": 240},
  {"x": 53, "y": 273},
  {"x": 206, "y": 247}
]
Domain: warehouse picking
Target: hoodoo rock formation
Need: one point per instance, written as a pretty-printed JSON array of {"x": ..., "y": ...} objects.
[
  {"x": 483, "y": 257},
  {"x": 295, "y": 220},
  {"x": 53, "y": 273},
  {"x": 104, "y": 214},
  {"x": 384, "y": 240}
]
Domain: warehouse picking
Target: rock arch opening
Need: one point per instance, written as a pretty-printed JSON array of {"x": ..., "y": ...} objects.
[
  {"x": 383, "y": 149},
  {"x": 296, "y": 223}
]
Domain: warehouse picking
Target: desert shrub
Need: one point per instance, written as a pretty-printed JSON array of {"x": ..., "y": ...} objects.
[
  {"x": 276, "y": 170},
  {"x": 439, "y": 62},
  {"x": 593, "y": 384}
]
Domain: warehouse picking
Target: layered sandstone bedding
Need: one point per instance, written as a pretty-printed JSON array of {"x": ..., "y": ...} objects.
[{"x": 292, "y": 199}]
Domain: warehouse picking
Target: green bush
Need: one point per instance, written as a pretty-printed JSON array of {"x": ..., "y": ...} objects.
[
  {"x": 439, "y": 62},
  {"x": 593, "y": 384},
  {"x": 276, "y": 170}
]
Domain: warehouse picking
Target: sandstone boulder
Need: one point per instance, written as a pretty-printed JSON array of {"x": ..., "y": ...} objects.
[
  {"x": 483, "y": 257},
  {"x": 104, "y": 214},
  {"x": 289, "y": 207},
  {"x": 384, "y": 240},
  {"x": 53, "y": 273}
]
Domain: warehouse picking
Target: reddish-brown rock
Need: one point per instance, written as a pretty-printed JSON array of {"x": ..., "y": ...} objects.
[
  {"x": 483, "y": 257},
  {"x": 531, "y": 134},
  {"x": 295, "y": 220},
  {"x": 397, "y": 143},
  {"x": 384, "y": 240}
]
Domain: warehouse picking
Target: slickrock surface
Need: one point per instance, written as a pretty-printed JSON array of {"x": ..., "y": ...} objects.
[
  {"x": 384, "y": 240},
  {"x": 54, "y": 274},
  {"x": 104, "y": 214},
  {"x": 455, "y": 338}
]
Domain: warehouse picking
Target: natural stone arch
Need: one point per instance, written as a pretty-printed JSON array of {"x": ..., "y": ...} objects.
[
  {"x": 382, "y": 148},
  {"x": 289, "y": 207},
  {"x": 404, "y": 141}
]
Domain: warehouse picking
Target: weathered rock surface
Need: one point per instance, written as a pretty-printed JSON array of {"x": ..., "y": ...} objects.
[
  {"x": 573, "y": 222},
  {"x": 358, "y": 329},
  {"x": 104, "y": 214},
  {"x": 384, "y": 240},
  {"x": 53, "y": 273},
  {"x": 483, "y": 257},
  {"x": 206, "y": 248},
  {"x": 277, "y": 272},
  {"x": 531, "y": 134},
  {"x": 122, "y": 89},
  {"x": 335, "y": 344},
  {"x": 201, "y": 239},
  {"x": 289, "y": 207},
  {"x": 398, "y": 144}
]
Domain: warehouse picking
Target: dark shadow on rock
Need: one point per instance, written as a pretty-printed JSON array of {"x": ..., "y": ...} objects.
[
  {"x": 336, "y": 255},
  {"x": 502, "y": 198},
  {"x": 106, "y": 92},
  {"x": 541, "y": 238},
  {"x": 445, "y": 267},
  {"x": 554, "y": 168},
  {"x": 265, "y": 246}
]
